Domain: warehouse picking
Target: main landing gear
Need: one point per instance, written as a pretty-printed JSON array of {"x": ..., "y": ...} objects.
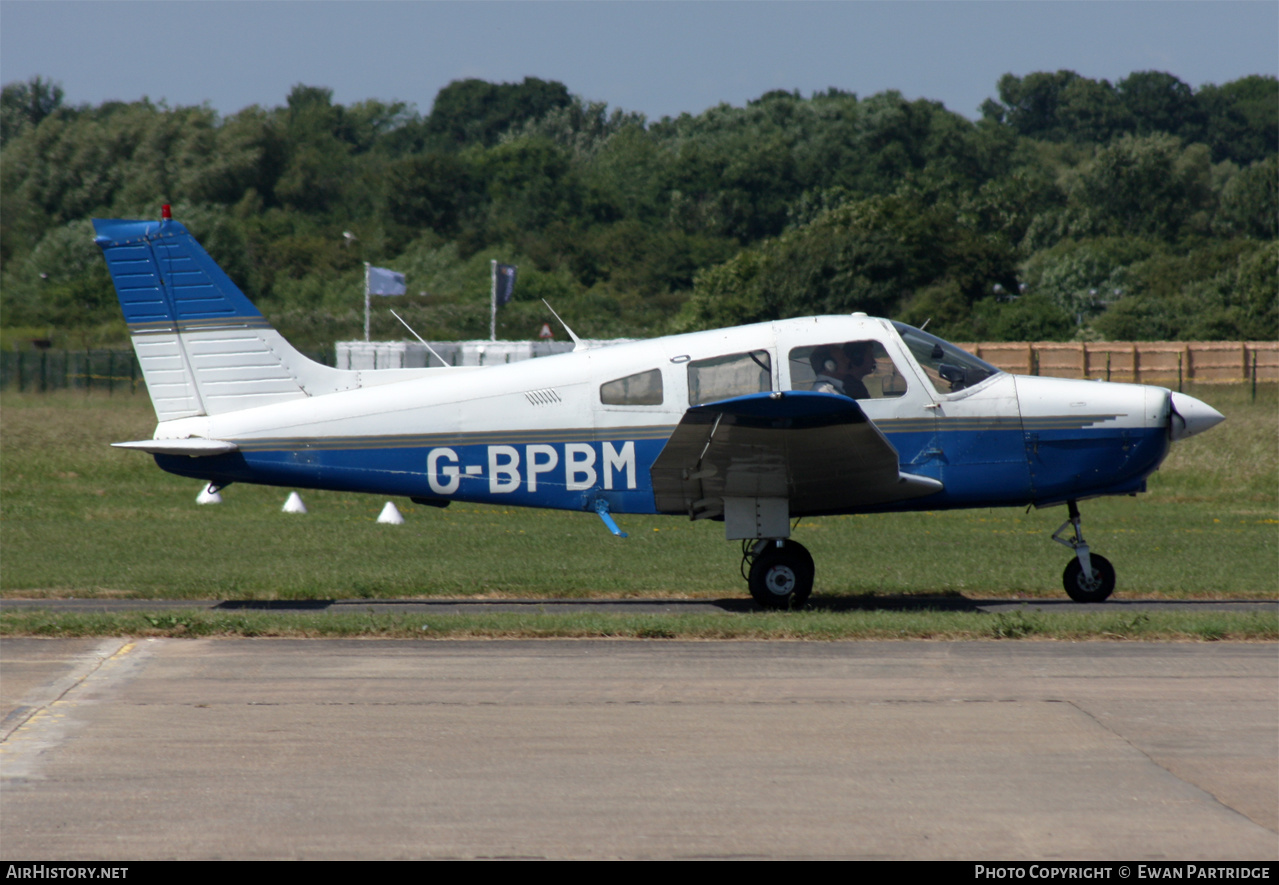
[
  {"x": 1089, "y": 577},
  {"x": 780, "y": 573}
]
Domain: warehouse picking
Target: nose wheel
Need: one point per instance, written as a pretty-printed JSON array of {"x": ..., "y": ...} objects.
[
  {"x": 1089, "y": 577},
  {"x": 780, "y": 573},
  {"x": 1095, "y": 587}
]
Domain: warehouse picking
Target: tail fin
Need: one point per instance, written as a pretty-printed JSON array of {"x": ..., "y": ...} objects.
[{"x": 203, "y": 347}]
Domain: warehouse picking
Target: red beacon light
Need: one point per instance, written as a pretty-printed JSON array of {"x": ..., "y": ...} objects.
[{"x": 166, "y": 213}]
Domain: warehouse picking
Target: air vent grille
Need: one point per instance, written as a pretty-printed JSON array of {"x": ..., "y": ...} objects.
[{"x": 544, "y": 397}]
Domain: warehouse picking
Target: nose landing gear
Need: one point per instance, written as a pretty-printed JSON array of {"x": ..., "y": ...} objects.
[
  {"x": 1089, "y": 577},
  {"x": 780, "y": 573}
]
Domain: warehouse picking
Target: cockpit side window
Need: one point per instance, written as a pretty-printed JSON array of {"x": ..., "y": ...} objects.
[
  {"x": 948, "y": 368},
  {"x": 724, "y": 377},
  {"x": 640, "y": 389},
  {"x": 857, "y": 369}
]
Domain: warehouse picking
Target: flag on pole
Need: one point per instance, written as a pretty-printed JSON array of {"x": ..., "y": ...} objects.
[
  {"x": 504, "y": 287},
  {"x": 379, "y": 281},
  {"x": 385, "y": 282}
]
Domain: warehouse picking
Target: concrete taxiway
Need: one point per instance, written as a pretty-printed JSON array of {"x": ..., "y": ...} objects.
[{"x": 124, "y": 750}]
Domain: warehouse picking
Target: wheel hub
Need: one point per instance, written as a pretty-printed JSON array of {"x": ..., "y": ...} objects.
[
  {"x": 780, "y": 580},
  {"x": 1089, "y": 582}
]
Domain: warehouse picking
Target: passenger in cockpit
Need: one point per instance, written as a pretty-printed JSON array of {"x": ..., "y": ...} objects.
[{"x": 860, "y": 362}]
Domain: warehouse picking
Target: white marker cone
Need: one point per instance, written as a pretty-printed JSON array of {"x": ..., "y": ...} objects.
[
  {"x": 294, "y": 504},
  {"x": 208, "y": 497},
  {"x": 390, "y": 515}
]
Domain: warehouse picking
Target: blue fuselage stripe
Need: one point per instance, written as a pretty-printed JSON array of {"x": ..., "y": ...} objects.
[{"x": 992, "y": 467}]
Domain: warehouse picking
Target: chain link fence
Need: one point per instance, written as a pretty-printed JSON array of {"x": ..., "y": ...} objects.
[{"x": 110, "y": 371}]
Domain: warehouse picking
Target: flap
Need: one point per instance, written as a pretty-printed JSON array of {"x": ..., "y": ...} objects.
[{"x": 817, "y": 450}]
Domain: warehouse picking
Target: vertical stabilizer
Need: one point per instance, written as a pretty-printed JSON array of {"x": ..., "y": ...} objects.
[{"x": 203, "y": 347}]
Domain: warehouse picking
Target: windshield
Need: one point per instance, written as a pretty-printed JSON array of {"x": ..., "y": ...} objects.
[{"x": 947, "y": 367}]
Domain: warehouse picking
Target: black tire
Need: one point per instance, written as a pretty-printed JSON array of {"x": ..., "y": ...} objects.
[
  {"x": 782, "y": 577},
  {"x": 1096, "y": 589}
]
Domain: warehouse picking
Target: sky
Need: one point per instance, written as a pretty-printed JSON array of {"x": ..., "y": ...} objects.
[{"x": 657, "y": 58}]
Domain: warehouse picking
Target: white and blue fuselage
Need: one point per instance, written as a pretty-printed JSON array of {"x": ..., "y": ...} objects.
[
  {"x": 536, "y": 434},
  {"x": 755, "y": 425}
]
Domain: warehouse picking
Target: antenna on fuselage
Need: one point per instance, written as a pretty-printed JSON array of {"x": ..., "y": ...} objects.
[
  {"x": 577, "y": 342},
  {"x": 420, "y": 338}
]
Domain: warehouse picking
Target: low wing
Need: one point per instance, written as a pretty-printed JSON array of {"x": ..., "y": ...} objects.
[{"x": 817, "y": 450}]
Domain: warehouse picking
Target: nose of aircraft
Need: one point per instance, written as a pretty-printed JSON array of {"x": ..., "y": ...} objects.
[{"x": 1191, "y": 416}]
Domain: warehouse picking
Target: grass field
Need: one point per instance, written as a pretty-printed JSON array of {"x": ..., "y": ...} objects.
[{"x": 78, "y": 518}]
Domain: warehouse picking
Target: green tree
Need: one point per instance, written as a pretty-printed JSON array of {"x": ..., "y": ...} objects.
[
  {"x": 1250, "y": 201},
  {"x": 1031, "y": 104},
  {"x": 627, "y": 178},
  {"x": 244, "y": 154},
  {"x": 24, "y": 105},
  {"x": 582, "y": 128},
  {"x": 430, "y": 190},
  {"x": 476, "y": 112},
  {"x": 1221, "y": 290},
  {"x": 881, "y": 255},
  {"x": 1159, "y": 102},
  {"x": 1145, "y": 186},
  {"x": 1080, "y": 276},
  {"x": 1243, "y": 119},
  {"x": 1093, "y": 111},
  {"x": 1032, "y": 317},
  {"x": 530, "y": 187}
]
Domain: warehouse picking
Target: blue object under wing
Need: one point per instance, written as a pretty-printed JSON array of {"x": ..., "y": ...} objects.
[
  {"x": 601, "y": 507},
  {"x": 163, "y": 277}
]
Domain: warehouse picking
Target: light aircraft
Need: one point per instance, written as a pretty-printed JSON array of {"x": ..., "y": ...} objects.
[{"x": 755, "y": 425}]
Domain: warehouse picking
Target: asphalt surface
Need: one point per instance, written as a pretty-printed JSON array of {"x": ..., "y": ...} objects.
[{"x": 167, "y": 748}]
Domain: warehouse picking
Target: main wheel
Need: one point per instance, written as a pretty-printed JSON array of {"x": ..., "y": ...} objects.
[
  {"x": 782, "y": 577},
  {"x": 1095, "y": 588}
]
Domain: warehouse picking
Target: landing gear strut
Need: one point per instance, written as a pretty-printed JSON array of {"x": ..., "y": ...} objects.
[
  {"x": 780, "y": 573},
  {"x": 1089, "y": 577}
]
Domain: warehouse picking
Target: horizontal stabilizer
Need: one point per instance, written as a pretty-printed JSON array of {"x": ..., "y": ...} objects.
[{"x": 195, "y": 447}]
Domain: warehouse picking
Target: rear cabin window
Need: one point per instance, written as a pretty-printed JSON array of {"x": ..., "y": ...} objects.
[
  {"x": 724, "y": 377},
  {"x": 857, "y": 369},
  {"x": 640, "y": 389}
]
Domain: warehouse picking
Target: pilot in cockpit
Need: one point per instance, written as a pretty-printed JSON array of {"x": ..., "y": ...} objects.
[
  {"x": 829, "y": 365},
  {"x": 840, "y": 368}
]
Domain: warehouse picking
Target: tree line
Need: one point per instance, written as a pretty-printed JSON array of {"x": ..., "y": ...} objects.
[{"x": 1073, "y": 208}]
